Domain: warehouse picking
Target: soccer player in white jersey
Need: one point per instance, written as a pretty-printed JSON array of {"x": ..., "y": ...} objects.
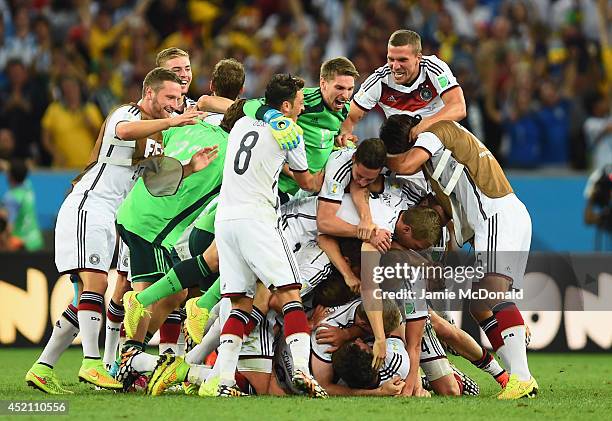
[
  {"x": 85, "y": 232},
  {"x": 472, "y": 188},
  {"x": 249, "y": 239},
  {"x": 410, "y": 83}
]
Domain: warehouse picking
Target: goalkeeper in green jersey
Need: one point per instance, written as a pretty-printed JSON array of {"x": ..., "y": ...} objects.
[{"x": 326, "y": 108}]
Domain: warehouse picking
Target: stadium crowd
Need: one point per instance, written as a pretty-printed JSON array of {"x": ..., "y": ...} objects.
[{"x": 533, "y": 71}]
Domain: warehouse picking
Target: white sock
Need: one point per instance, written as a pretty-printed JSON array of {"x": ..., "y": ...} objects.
[
  {"x": 227, "y": 360},
  {"x": 63, "y": 334},
  {"x": 90, "y": 323},
  {"x": 493, "y": 368},
  {"x": 198, "y": 374},
  {"x": 514, "y": 352},
  {"x": 209, "y": 343},
  {"x": 180, "y": 344},
  {"x": 299, "y": 344},
  {"x": 144, "y": 362},
  {"x": 111, "y": 341}
]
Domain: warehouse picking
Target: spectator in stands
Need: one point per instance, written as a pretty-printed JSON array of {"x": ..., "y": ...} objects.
[
  {"x": 21, "y": 207},
  {"x": 70, "y": 126},
  {"x": 598, "y": 130},
  {"x": 23, "y": 103},
  {"x": 7, "y": 144},
  {"x": 554, "y": 120},
  {"x": 524, "y": 131}
]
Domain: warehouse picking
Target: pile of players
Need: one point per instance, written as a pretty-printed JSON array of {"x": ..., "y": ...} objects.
[{"x": 254, "y": 223}]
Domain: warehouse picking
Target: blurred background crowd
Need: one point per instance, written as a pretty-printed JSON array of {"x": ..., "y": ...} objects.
[{"x": 536, "y": 74}]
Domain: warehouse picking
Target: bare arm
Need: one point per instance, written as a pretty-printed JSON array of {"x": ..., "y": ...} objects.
[
  {"x": 453, "y": 109},
  {"x": 329, "y": 223},
  {"x": 143, "y": 128},
  {"x": 306, "y": 180},
  {"x": 361, "y": 199},
  {"x": 409, "y": 162},
  {"x": 332, "y": 249},
  {"x": 375, "y": 317},
  {"x": 355, "y": 115},
  {"x": 414, "y": 335},
  {"x": 216, "y": 104}
]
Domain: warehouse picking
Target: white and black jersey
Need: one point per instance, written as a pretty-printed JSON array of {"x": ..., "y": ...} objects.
[
  {"x": 397, "y": 362},
  {"x": 250, "y": 176},
  {"x": 341, "y": 316},
  {"x": 422, "y": 97},
  {"x": 338, "y": 174}
]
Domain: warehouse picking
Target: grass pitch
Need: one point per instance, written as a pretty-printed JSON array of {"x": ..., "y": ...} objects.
[{"x": 572, "y": 386}]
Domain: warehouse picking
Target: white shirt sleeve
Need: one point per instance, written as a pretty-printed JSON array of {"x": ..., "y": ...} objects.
[
  {"x": 123, "y": 113},
  {"x": 371, "y": 89},
  {"x": 441, "y": 75},
  {"x": 429, "y": 141},
  {"x": 297, "y": 158},
  {"x": 337, "y": 175}
]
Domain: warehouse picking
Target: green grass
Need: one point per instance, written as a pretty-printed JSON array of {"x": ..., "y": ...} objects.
[{"x": 572, "y": 386}]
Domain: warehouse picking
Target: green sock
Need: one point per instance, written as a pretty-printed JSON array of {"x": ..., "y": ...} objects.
[
  {"x": 163, "y": 288},
  {"x": 210, "y": 297}
]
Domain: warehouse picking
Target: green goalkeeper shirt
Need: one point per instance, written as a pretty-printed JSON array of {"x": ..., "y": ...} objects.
[
  {"x": 320, "y": 125},
  {"x": 162, "y": 220}
]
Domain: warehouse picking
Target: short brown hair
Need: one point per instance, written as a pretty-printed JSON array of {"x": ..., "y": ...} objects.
[
  {"x": 232, "y": 115},
  {"x": 371, "y": 153},
  {"x": 425, "y": 222},
  {"x": 403, "y": 37},
  {"x": 339, "y": 66},
  {"x": 391, "y": 314},
  {"x": 169, "y": 53},
  {"x": 282, "y": 87},
  {"x": 228, "y": 78},
  {"x": 354, "y": 366},
  {"x": 156, "y": 78}
]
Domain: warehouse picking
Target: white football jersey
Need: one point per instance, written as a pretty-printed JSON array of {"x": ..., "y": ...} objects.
[
  {"x": 338, "y": 174},
  {"x": 104, "y": 186},
  {"x": 253, "y": 164},
  {"x": 299, "y": 221},
  {"x": 397, "y": 362},
  {"x": 422, "y": 97},
  {"x": 341, "y": 316}
]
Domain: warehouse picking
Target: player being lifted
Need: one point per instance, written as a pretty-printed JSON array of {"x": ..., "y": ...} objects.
[
  {"x": 472, "y": 189},
  {"x": 249, "y": 240},
  {"x": 85, "y": 232}
]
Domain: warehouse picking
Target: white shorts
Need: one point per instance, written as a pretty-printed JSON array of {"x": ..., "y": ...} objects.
[
  {"x": 84, "y": 239},
  {"x": 502, "y": 242},
  {"x": 314, "y": 266},
  {"x": 433, "y": 359},
  {"x": 250, "y": 250},
  {"x": 123, "y": 258},
  {"x": 258, "y": 348}
]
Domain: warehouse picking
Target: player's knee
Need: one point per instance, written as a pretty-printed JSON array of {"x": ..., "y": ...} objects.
[
  {"x": 177, "y": 299},
  {"x": 446, "y": 386}
]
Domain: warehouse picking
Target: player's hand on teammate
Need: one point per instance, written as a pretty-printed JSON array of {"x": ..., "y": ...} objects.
[
  {"x": 365, "y": 229},
  {"x": 202, "y": 158},
  {"x": 319, "y": 177},
  {"x": 286, "y": 132},
  {"x": 189, "y": 117},
  {"x": 392, "y": 387},
  {"x": 345, "y": 139},
  {"x": 353, "y": 282},
  {"x": 381, "y": 240},
  {"x": 333, "y": 336},
  {"x": 379, "y": 352}
]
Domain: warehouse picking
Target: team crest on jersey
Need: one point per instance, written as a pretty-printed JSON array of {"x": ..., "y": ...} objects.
[
  {"x": 125, "y": 262},
  {"x": 94, "y": 259},
  {"x": 425, "y": 93}
]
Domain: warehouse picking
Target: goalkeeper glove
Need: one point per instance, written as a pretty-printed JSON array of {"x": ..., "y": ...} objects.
[{"x": 286, "y": 132}]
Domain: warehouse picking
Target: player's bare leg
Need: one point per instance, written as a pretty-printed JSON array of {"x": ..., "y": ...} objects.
[
  {"x": 468, "y": 348},
  {"x": 506, "y": 332},
  {"x": 446, "y": 386},
  {"x": 91, "y": 307}
]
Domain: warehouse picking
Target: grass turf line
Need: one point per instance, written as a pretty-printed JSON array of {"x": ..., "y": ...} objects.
[{"x": 572, "y": 386}]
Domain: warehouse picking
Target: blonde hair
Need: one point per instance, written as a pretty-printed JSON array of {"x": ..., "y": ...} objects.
[
  {"x": 168, "y": 54},
  {"x": 425, "y": 223},
  {"x": 403, "y": 37}
]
